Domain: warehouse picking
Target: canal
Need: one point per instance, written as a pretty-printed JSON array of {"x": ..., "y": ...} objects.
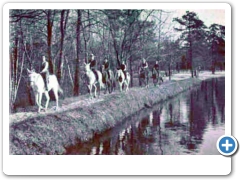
[{"x": 189, "y": 123}]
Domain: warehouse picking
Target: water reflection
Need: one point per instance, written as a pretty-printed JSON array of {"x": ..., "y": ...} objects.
[{"x": 190, "y": 123}]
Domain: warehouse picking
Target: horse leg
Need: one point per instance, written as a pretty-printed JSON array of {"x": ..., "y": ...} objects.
[
  {"x": 48, "y": 98},
  {"x": 120, "y": 85},
  {"x": 155, "y": 80},
  {"x": 113, "y": 86},
  {"x": 39, "y": 102},
  {"x": 55, "y": 91},
  {"x": 127, "y": 86},
  {"x": 106, "y": 88},
  {"x": 147, "y": 83},
  {"x": 110, "y": 86},
  {"x": 126, "y": 83},
  {"x": 95, "y": 90},
  {"x": 90, "y": 90},
  {"x": 36, "y": 99}
]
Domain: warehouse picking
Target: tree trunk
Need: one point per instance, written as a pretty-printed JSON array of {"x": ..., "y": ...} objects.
[
  {"x": 213, "y": 62},
  {"x": 63, "y": 23},
  {"x": 159, "y": 37},
  {"x": 77, "y": 64},
  {"x": 60, "y": 62},
  {"x": 131, "y": 71},
  {"x": 169, "y": 71},
  {"x": 190, "y": 58},
  {"x": 13, "y": 78},
  {"x": 49, "y": 41}
]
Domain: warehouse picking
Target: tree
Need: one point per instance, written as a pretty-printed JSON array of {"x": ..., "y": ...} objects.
[
  {"x": 21, "y": 49},
  {"x": 192, "y": 29},
  {"x": 125, "y": 28},
  {"x": 63, "y": 24},
  {"x": 50, "y": 19},
  {"x": 170, "y": 54},
  {"x": 77, "y": 63},
  {"x": 216, "y": 41}
]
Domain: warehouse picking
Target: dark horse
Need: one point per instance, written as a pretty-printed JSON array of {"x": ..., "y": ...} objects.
[
  {"x": 156, "y": 77},
  {"x": 109, "y": 80},
  {"x": 143, "y": 77}
]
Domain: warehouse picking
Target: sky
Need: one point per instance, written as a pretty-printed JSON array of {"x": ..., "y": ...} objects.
[{"x": 208, "y": 16}]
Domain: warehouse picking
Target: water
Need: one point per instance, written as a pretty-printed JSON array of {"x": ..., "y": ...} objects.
[{"x": 189, "y": 123}]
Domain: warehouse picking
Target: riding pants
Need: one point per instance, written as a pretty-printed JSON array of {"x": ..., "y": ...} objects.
[{"x": 45, "y": 78}]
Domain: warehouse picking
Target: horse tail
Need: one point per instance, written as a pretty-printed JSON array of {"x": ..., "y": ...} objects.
[{"x": 60, "y": 89}]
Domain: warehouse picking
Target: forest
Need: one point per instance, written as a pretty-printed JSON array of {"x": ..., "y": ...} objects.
[{"x": 67, "y": 37}]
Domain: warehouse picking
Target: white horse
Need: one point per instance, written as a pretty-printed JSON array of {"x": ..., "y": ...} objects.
[
  {"x": 38, "y": 86},
  {"x": 122, "y": 80},
  {"x": 92, "y": 81}
]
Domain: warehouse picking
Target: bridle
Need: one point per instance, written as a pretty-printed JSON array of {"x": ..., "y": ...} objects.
[{"x": 33, "y": 81}]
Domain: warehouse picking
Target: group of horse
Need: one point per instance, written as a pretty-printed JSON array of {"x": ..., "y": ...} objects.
[{"x": 104, "y": 80}]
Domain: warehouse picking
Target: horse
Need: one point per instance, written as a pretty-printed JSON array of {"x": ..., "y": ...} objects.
[
  {"x": 108, "y": 80},
  {"x": 156, "y": 77},
  {"x": 196, "y": 72},
  {"x": 143, "y": 77},
  {"x": 92, "y": 80},
  {"x": 122, "y": 80},
  {"x": 38, "y": 86}
]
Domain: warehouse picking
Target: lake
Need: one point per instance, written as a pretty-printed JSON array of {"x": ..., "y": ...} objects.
[{"x": 189, "y": 123}]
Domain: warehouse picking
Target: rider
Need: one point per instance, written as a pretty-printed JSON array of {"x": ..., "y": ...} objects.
[
  {"x": 124, "y": 68},
  {"x": 144, "y": 65},
  {"x": 45, "y": 72},
  {"x": 106, "y": 66},
  {"x": 93, "y": 65},
  {"x": 156, "y": 68}
]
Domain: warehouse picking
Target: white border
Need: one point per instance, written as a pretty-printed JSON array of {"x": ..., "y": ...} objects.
[{"x": 114, "y": 165}]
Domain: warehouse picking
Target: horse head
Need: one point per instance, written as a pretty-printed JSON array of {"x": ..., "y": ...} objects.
[
  {"x": 32, "y": 75},
  {"x": 87, "y": 67}
]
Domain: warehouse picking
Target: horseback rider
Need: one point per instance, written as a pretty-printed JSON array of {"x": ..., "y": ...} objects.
[
  {"x": 106, "y": 66},
  {"x": 45, "y": 72},
  {"x": 124, "y": 68},
  {"x": 93, "y": 65},
  {"x": 144, "y": 66},
  {"x": 156, "y": 68}
]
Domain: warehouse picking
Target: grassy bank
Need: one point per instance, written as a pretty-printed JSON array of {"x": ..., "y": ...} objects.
[{"x": 51, "y": 132}]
